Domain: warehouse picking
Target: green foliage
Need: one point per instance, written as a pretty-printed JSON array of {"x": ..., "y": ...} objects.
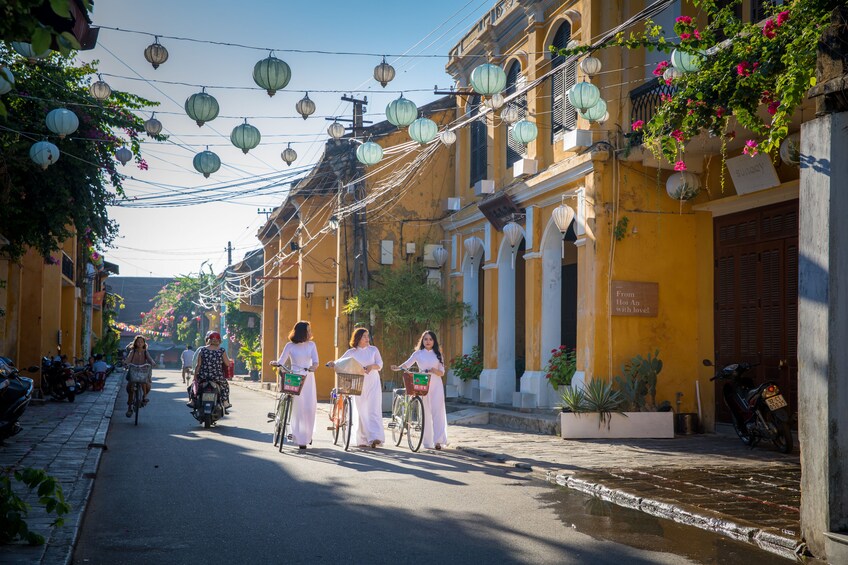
[
  {"x": 573, "y": 399},
  {"x": 620, "y": 230},
  {"x": 239, "y": 330},
  {"x": 469, "y": 366},
  {"x": 14, "y": 510},
  {"x": 598, "y": 396},
  {"x": 638, "y": 384},
  {"x": 175, "y": 309},
  {"x": 250, "y": 351},
  {"x": 561, "y": 367},
  {"x": 41, "y": 208},
  {"x": 109, "y": 342},
  {"x": 19, "y": 21}
]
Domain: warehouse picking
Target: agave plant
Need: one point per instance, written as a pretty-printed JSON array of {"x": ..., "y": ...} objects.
[
  {"x": 573, "y": 399},
  {"x": 600, "y": 397}
]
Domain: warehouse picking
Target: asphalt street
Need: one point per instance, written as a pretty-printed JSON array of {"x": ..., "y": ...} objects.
[{"x": 168, "y": 491}]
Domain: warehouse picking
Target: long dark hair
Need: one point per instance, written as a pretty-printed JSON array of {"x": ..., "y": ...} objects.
[
  {"x": 436, "y": 349},
  {"x": 300, "y": 332},
  {"x": 356, "y": 336}
]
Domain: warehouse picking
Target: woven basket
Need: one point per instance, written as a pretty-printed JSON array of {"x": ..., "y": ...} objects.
[
  {"x": 293, "y": 383},
  {"x": 350, "y": 384},
  {"x": 138, "y": 373},
  {"x": 416, "y": 384}
]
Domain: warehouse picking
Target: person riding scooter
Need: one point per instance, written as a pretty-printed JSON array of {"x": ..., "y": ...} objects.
[{"x": 210, "y": 361}]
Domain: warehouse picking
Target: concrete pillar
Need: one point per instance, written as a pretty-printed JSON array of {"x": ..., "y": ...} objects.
[{"x": 823, "y": 333}]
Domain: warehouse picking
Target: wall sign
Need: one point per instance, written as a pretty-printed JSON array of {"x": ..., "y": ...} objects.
[
  {"x": 635, "y": 298},
  {"x": 751, "y": 174}
]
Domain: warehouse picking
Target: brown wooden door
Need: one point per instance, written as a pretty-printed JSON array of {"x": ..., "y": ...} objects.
[{"x": 756, "y": 296}]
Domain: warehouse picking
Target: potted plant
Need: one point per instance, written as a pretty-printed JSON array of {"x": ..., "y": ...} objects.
[
  {"x": 561, "y": 367},
  {"x": 467, "y": 368},
  {"x": 251, "y": 354}
]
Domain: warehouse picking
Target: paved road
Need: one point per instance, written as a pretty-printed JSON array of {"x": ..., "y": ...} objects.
[{"x": 169, "y": 491}]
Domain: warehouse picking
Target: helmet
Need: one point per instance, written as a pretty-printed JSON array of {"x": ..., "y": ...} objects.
[{"x": 213, "y": 335}]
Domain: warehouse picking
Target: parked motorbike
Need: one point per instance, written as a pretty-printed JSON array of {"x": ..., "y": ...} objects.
[
  {"x": 208, "y": 405},
  {"x": 15, "y": 394},
  {"x": 58, "y": 380},
  {"x": 759, "y": 412}
]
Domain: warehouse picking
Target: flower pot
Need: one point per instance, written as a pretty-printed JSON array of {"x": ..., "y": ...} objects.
[{"x": 629, "y": 425}]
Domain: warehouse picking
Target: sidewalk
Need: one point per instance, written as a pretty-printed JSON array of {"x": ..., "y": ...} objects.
[{"x": 66, "y": 440}]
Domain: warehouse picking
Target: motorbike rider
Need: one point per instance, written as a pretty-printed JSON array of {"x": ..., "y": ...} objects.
[
  {"x": 138, "y": 355},
  {"x": 210, "y": 361}
]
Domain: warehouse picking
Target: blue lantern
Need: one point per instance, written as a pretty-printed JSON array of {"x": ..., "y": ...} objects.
[
  {"x": 584, "y": 95},
  {"x": 272, "y": 74},
  {"x": 423, "y": 130},
  {"x": 686, "y": 62},
  {"x": 201, "y": 107},
  {"x": 488, "y": 79},
  {"x": 206, "y": 162},
  {"x": 596, "y": 113},
  {"x": 524, "y": 131},
  {"x": 369, "y": 153},
  {"x": 401, "y": 112},
  {"x": 245, "y": 137}
]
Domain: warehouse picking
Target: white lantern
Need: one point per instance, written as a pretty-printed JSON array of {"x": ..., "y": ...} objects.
[
  {"x": 99, "y": 89},
  {"x": 62, "y": 122},
  {"x": 604, "y": 119},
  {"x": 584, "y": 95},
  {"x": 26, "y": 51},
  {"x": 384, "y": 73},
  {"x": 590, "y": 66},
  {"x": 336, "y": 130},
  {"x": 401, "y": 112},
  {"x": 153, "y": 126},
  {"x": 7, "y": 80},
  {"x": 683, "y": 186},
  {"x": 510, "y": 114},
  {"x": 369, "y": 153},
  {"x": 686, "y": 62},
  {"x": 123, "y": 155},
  {"x": 289, "y": 155},
  {"x": 513, "y": 234},
  {"x": 305, "y": 106},
  {"x": 447, "y": 137},
  {"x": 206, "y": 162},
  {"x": 672, "y": 73},
  {"x": 245, "y": 137},
  {"x": 202, "y": 107},
  {"x": 495, "y": 101},
  {"x": 156, "y": 54},
  {"x": 596, "y": 112},
  {"x": 272, "y": 74},
  {"x": 423, "y": 130},
  {"x": 790, "y": 149},
  {"x": 44, "y": 153},
  {"x": 473, "y": 248},
  {"x": 524, "y": 131},
  {"x": 563, "y": 216},
  {"x": 488, "y": 79},
  {"x": 440, "y": 255}
]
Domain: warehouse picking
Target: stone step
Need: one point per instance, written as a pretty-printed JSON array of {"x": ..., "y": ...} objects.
[{"x": 524, "y": 400}]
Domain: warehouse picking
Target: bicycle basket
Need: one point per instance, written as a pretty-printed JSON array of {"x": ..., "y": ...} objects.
[
  {"x": 293, "y": 383},
  {"x": 350, "y": 384},
  {"x": 138, "y": 373},
  {"x": 416, "y": 384}
]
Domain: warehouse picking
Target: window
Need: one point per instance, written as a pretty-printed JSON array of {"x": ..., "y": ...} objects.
[
  {"x": 759, "y": 9},
  {"x": 514, "y": 80},
  {"x": 563, "y": 114},
  {"x": 479, "y": 135}
]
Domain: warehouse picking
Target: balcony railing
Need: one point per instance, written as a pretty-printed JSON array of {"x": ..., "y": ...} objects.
[
  {"x": 67, "y": 267},
  {"x": 645, "y": 99}
]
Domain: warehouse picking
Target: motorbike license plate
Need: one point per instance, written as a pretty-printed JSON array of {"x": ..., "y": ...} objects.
[
  {"x": 208, "y": 397},
  {"x": 70, "y": 382},
  {"x": 776, "y": 402}
]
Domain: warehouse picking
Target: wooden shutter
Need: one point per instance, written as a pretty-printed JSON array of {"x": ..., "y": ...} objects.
[
  {"x": 514, "y": 80},
  {"x": 478, "y": 135},
  {"x": 562, "y": 114}
]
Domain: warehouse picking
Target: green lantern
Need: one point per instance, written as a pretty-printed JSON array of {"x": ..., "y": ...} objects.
[
  {"x": 524, "y": 131},
  {"x": 201, "y": 107},
  {"x": 423, "y": 130},
  {"x": 596, "y": 113},
  {"x": 245, "y": 137},
  {"x": 686, "y": 62},
  {"x": 401, "y": 112},
  {"x": 206, "y": 162},
  {"x": 369, "y": 153},
  {"x": 488, "y": 79},
  {"x": 272, "y": 74},
  {"x": 584, "y": 95}
]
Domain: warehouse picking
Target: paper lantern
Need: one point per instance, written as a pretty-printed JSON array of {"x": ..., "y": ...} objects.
[
  {"x": 336, "y": 130},
  {"x": 584, "y": 95},
  {"x": 510, "y": 114},
  {"x": 44, "y": 153},
  {"x": 686, "y": 62},
  {"x": 596, "y": 112},
  {"x": 440, "y": 255},
  {"x": 245, "y": 137},
  {"x": 683, "y": 186},
  {"x": 790, "y": 149},
  {"x": 672, "y": 73},
  {"x": 62, "y": 122},
  {"x": 369, "y": 153},
  {"x": 202, "y": 107},
  {"x": 513, "y": 234},
  {"x": 474, "y": 249},
  {"x": 524, "y": 131},
  {"x": 305, "y": 106},
  {"x": 156, "y": 54},
  {"x": 7, "y": 80},
  {"x": 488, "y": 79},
  {"x": 206, "y": 162},
  {"x": 289, "y": 155},
  {"x": 25, "y": 50},
  {"x": 384, "y": 73},
  {"x": 590, "y": 65},
  {"x": 153, "y": 126},
  {"x": 447, "y": 137},
  {"x": 401, "y": 112},
  {"x": 495, "y": 101},
  {"x": 99, "y": 89},
  {"x": 123, "y": 155},
  {"x": 423, "y": 130},
  {"x": 563, "y": 216},
  {"x": 272, "y": 74}
]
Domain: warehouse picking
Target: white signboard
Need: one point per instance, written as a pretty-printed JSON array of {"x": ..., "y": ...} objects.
[{"x": 751, "y": 174}]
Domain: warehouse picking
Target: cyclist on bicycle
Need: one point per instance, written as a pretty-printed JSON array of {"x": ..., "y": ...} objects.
[
  {"x": 209, "y": 366},
  {"x": 138, "y": 355},
  {"x": 302, "y": 354}
]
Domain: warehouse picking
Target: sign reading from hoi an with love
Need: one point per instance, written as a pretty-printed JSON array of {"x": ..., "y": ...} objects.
[{"x": 635, "y": 298}]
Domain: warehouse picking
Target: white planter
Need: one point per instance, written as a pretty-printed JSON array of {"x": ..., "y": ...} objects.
[
  {"x": 467, "y": 386},
  {"x": 629, "y": 425}
]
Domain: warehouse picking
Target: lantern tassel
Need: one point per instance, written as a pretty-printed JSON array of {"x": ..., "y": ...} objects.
[
  {"x": 563, "y": 246},
  {"x": 513, "y": 258}
]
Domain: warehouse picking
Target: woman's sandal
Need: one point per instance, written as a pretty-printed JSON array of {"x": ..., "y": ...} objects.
[
  {"x": 375, "y": 444},
  {"x": 144, "y": 401}
]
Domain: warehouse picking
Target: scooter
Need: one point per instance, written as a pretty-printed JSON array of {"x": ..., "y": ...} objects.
[
  {"x": 58, "y": 379},
  {"x": 15, "y": 394},
  {"x": 760, "y": 412},
  {"x": 208, "y": 406}
]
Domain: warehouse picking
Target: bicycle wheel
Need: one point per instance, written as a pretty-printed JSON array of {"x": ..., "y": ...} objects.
[
  {"x": 347, "y": 421},
  {"x": 278, "y": 422},
  {"x": 415, "y": 423},
  {"x": 287, "y": 402},
  {"x": 398, "y": 412},
  {"x": 338, "y": 414},
  {"x": 137, "y": 401}
]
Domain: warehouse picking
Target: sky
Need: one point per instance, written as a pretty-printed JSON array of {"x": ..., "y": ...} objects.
[{"x": 169, "y": 241}]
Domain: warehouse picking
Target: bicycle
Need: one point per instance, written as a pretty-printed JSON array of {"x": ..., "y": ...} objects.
[
  {"x": 138, "y": 376},
  {"x": 292, "y": 384},
  {"x": 408, "y": 410},
  {"x": 342, "y": 414}
]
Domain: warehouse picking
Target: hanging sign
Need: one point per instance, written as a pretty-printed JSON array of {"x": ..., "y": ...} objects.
[{"x": 635, "y": 298}]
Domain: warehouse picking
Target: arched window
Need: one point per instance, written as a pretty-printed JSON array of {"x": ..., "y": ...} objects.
[
  {"x": 563, "y": 114},
  {"x": 479, "y": 136},
  {"x": 514, "y": 80}
]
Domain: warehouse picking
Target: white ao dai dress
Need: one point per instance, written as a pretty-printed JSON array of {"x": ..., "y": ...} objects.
[
  {"x": 435, "y": 416},
  {"x": 303, "y": 355},
  {"x": 368, "y": 407}
]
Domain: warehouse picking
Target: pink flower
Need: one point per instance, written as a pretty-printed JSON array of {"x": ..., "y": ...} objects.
[
  {"x": 769, "y": 29},
  {"x": 782, "y": 17},
  {"x": 661, "y": 67},
  {"x": 697, "y": 34},
  {"x": 742, "y": 69},
  {"x": 680, "y": 166},
  {"x": 684, "y": 20},
  {"x": 142, "y": 164},
  {"x": 750, "y": 148},
  {"x": 719, "y": 112},
  {"x": 678, "y": 135},
  {"x": 772, "y": 108},
  {"x": 685, "y": 36},
  {"x": 665, "y": 97},
  {"x": 637, "y": 125}
]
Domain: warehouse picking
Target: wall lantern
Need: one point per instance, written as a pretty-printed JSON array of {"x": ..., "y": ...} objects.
[
  {"x": 384, "y": 73},
  {"x": 401, "y": 112},
  {"x": 289, "y": 155},
  {"x": 447, "y": 137},
  {"x": 201, "y": 107},
  {"x": 563, "y": 216},
  {"x": 423, "y": 130},
  {"x": 524, "y": 131},
  {"x": 596, "y": 113},
  {"x": 584, "y": 95},
  {"x": 245, "y": 137},
  {"x": 156, "y": 54},
  {"x": 44, "y": 153},
  {"x": 790, "y": 149},
  {"x": 99, "y": 89},
  {"x": 513, "y": 234},
  {"x": 488, "y": 79},
  {"x": 123, "y": 155},
  {"x": 7, "y": 80},
  {"x": 305, "y": 106},
  {"x": 495, "y": 101},
  {"x": 440, "y": 256},
  {"x": 26, "y": 51},
  {"x": 336, "y": 130},
  {"x": 153, "y": 126},
  {"x": 272, "y": 74},
  {"x": 683, "y": 186},
  {"x": 369, "y": 153},
  {"x": 686, "y": 62},
  {"x": 510, "y": 114},
  {"x": 473, "y": 248},
  {"x": 206, "y": 162},
  {"x": 62, "y": 122},
  {"x": 590, "y": 66}
]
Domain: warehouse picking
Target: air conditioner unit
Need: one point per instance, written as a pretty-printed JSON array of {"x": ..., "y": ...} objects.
[
  {"x": 453, "y": 204},
  {"x": 525, "y": 168},
  {"x": 576, "y": 140},
  {"x": 484, "y": 186}
]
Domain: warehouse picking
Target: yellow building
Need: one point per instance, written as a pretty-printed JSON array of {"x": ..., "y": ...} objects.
[{"x": 712, "y": 277}]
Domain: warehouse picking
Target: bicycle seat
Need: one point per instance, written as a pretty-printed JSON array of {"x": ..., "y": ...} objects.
[{"x": 399, "y": 391}]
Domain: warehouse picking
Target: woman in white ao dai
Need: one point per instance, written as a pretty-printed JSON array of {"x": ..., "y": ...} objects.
[
  {"x": 302, "y": 355},
  {"x": 368, "y": 407}
]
